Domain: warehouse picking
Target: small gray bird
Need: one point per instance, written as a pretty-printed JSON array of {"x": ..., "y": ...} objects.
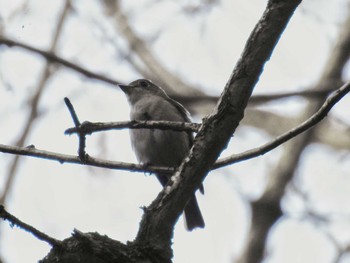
[{"x": 161, "y": 147}]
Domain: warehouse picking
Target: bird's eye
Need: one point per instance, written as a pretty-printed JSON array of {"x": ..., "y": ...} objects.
[{"x": 143, "y": 84}]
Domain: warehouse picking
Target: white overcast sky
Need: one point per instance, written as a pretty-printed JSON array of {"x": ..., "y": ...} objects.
[{"x": 202, "y": 50}]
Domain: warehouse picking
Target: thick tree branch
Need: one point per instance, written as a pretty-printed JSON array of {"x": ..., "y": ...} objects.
[
  {"x": 95, "y": 248},
  {"x": 84, "y": 247},
  {"x": 156, "y": 227}
]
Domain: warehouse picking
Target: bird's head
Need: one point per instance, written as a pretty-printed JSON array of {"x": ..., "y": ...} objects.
[{"x": 141, "y": 88}]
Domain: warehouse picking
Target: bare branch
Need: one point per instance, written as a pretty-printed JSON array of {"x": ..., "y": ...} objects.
[
  {"x": 258, "y": 99},
  {"x": 92, "y": 127},
  {"x": 31, "y": 151},
  {"x": 156, "y": 227},
  {"x": 81, "y": 134},
  {"x": 330, "y": 132},
  {"x": 72, "y": 112},
  {"x": 312, "y": 121},
  {"x": 308, "y": 93},
  {"x": 14, "y": 221},
  {"x": 51, "y": 57}
]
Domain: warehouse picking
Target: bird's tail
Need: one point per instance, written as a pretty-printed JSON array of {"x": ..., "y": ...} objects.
[{"x": 193, "y": 216}]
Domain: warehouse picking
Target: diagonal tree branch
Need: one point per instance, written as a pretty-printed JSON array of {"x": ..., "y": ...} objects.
[
  {"x": 51, "y": 57},
  {"x": 329, "y": 132},
  {"x": 14, "y": 221},
  {"x": 303, "y": 127},
  {"x": 156, "y": 227}
]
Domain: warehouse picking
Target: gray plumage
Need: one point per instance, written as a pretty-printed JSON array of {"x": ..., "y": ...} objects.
[{"x": 161, "y": 147}]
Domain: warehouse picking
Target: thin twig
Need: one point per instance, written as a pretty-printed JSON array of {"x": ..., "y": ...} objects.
[
  {"x": 31, "y": 151},
  {"x": 91, "y": 127},
  {"x": 81, "y": 134},
  {"x": 50, "y": 56},
  {"x": 313, "y": 120},
  {"x": 14, "y": 221},
  {"x": 72, "y": 112},
  {"x": 306, "y": 92}
]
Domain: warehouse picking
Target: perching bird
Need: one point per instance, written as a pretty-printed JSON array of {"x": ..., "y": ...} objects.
[{"x": 161, "y": 147}]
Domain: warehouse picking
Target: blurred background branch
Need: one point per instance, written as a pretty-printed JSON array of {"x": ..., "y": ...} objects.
[
  {"x": 33, "y": 104},
  {"x": 266, "y": 210},
  {"x": 189, "y": 48}
]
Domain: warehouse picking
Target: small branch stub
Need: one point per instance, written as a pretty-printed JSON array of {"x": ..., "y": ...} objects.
[{"x": 82, "y": 136}]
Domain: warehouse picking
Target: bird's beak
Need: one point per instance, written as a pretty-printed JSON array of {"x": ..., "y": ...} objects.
[{"x": 125, "y": 88}]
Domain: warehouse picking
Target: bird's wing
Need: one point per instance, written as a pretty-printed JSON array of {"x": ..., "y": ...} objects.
[
  {"x": 186, "y": 116},
  {"x": 184, "y": 113}
]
